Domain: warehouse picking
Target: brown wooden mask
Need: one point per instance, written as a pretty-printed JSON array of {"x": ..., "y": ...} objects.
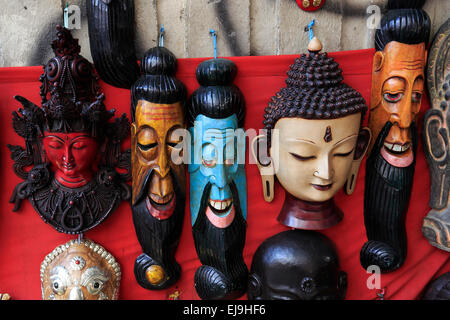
[
  {"x": 397, "y": 88},
  {"x": 80, "y": 270},
  {"x": 158, "y": 170},
  {"x": 154, "y": 137}
]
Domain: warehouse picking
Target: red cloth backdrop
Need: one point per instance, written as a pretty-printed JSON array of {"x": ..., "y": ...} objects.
[{"x": 25, "y": 239}]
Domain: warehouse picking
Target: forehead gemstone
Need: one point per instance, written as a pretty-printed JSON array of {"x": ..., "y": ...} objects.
[{"x": 77, "y": 263}]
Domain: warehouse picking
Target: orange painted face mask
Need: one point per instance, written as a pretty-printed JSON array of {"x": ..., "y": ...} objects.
[
  {"x": 397, "y": 89},
  {"x": 154, "y": 138}
]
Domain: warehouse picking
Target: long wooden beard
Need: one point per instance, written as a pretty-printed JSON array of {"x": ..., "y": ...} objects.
[
  {"x": 224, "y": 273},
  {"x": 386, "y": 200},
  {"x": 159, "y": 240}
]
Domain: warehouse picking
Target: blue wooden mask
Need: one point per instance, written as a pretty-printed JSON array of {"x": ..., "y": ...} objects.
[
  {"x": 218, "y": 199},
  {"x": 217, "y": 167}
]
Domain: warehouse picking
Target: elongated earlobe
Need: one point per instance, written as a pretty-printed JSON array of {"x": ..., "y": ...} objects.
[
  {"x": 360, "y": 150},
  {"x": 265, "y": 166}
]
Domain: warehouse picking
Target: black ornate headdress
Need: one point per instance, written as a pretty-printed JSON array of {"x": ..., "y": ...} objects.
[{"x": 70, "y": 96}]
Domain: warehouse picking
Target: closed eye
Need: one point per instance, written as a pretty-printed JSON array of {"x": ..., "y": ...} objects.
[
  {"x": 343, "y": 154},
  {"x": 172, "y": 144},
  {"x": 146, "y": 147},
  {"x": 393, "y": 97},
  {"x": 301, "y": 158}
]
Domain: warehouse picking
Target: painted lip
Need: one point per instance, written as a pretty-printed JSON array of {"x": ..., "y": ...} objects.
[
  {"x": 161, "y": 212},
  {"x": 398, "y": 160},
  {"x": 322, "y": 187},
  {"x": 161, "y": 200},
  {"x": 220, "y": 207}
]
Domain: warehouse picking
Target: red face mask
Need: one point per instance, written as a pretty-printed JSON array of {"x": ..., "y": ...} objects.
[{"x": 72, "y": 156}]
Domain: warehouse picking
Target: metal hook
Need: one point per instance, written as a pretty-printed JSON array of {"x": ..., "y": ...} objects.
[
  {"x": 212, "y": 32},
  {"x": 309, "y": 28},
  {"x": 161, "y": 36},
  {"x": 80, "y": 237}
]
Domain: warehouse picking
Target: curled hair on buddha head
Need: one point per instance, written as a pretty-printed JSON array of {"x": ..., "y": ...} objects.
[
  {"x": 157, "y": 83},
  {"x": 314, "y": 90},
  {"x": 216, "y": 97},
  {"x": 404, "y": 22}
]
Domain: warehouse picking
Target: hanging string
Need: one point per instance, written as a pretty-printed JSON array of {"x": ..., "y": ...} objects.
[
  {"x": 161, "y": 36},
  {"x": 212, "y": 32},
  {"x": 309, "y": 28}
]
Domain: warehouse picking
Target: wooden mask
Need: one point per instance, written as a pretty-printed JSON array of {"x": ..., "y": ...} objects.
[
  {"x": 296, "y": 265},
  {"x": 218, "y": 188},
  {"x": 158, "y": 199},
  {"x": 80, "y": 271},
  {"x": 72, "y": 148},
  {"x": 397, "y": 88},
  {"x": 316, "y": 141},
  {"x": 436, "y": 137}
]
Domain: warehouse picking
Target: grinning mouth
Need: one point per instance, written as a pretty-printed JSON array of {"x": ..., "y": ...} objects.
[
  {"x": 397, "y": 149},
  {"x": 220, "y": 207},
  {"x": 161, "y": 211},
  {"x": 161, "y": 201},
  {"x": 324, "y": 187}
]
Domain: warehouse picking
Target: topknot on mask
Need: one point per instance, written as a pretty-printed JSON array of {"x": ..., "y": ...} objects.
[{"x": 217, "y": 97}]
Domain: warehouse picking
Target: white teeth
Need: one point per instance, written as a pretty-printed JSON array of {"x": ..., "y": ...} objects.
[
  {"x": 397, "y": 147},
  {"x": 388, "y": 145},
  {"x": 220, "y": 205}
]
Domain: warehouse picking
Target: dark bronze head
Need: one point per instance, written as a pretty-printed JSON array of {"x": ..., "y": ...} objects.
[{"x": 296, "y": 265}]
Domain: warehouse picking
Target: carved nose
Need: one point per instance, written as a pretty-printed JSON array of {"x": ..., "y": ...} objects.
[
  {"x": 76, "y": 294},
  {"x": 67, "y": 156},
  {"x": 163, "y": 165},
  {"x": 324, "y": 170},
  {"x": 161, "y": 187},
  {"x": 220, "y": 177},
  {"x": 399, "y": 135},
  {"x": 404, "y": 115}
]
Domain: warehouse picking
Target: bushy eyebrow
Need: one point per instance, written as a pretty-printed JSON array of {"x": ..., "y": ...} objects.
[{"x": 91, "y": 273}]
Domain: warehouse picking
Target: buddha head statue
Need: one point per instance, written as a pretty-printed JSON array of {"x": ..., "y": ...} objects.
[
  {"x": 315, "y": 140},
  {"x": 296, "y": 265},
  {"x": 80, "y": 270}
]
